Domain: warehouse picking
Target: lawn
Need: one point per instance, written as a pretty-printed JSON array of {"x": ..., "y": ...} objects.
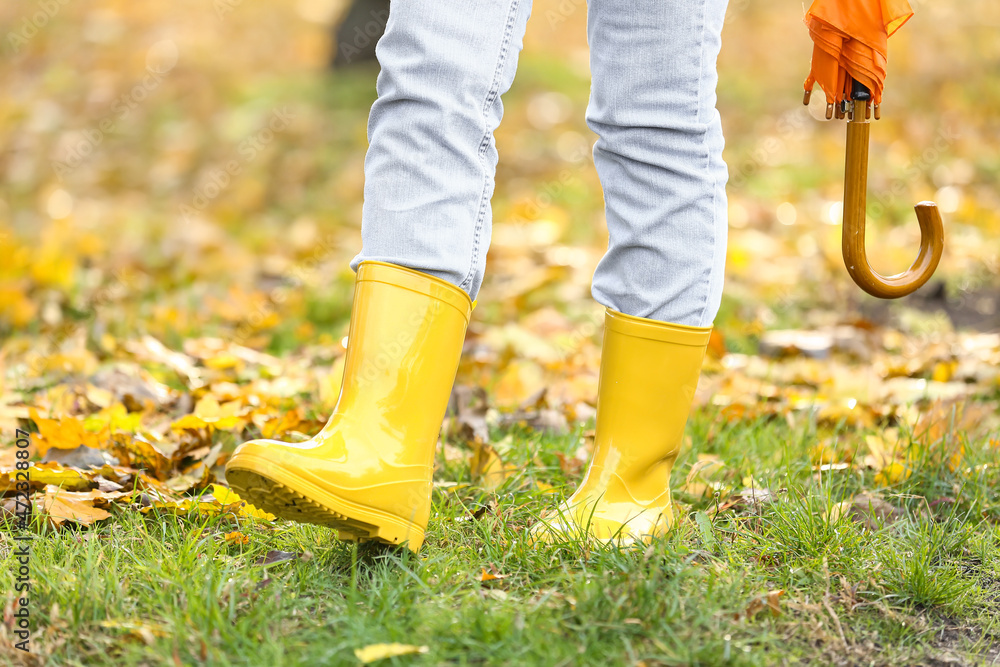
[
  {"x": 837, "y": 488},
  {"x": 776, "y": 575}
]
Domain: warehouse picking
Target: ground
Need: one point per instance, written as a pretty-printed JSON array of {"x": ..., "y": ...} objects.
[{"x": 180, "y": 195}]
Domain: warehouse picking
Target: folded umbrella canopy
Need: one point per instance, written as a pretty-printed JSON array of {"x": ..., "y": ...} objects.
[
  {"x": 850, "y": 53},
  {"x": 850, "y": 44}
]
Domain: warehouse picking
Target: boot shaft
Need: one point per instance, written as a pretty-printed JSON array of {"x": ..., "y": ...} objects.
[
  {"x": 649, "y": 373},
  {"x": 403, "y": 348}
]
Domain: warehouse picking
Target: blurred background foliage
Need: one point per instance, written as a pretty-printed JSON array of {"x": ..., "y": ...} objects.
[{"x": 196, "y": 168}]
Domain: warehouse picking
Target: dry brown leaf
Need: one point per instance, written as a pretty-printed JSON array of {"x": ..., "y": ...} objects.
[
  {"x": 870, "y": 511},
  {"x": 466, "y": 421},
  {"x": 150, "y": 349},
  {"x": 142, "y": 454},
  {"x": 144, "y": 630},
  {"x": 769, "y": 601},
  {"x": 276, "y": 556}
]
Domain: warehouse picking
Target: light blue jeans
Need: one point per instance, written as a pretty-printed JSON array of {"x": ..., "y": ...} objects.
[{"x": 429, "y": 171}]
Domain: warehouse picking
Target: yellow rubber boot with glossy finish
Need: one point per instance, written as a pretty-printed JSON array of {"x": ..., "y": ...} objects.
[
  {"x": 369, "y": 472},
  {"x": 649, "y": 373}
]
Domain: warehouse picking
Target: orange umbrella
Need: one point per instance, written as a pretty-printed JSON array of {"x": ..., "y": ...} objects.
[
  {"x": 849, "y": 63},
  {"x": 850, "y": 44}
]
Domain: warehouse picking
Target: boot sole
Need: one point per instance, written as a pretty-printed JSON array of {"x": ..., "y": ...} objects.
[{"x": 270, "y": 488}]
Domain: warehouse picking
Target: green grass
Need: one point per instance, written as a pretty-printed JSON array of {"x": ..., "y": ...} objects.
[{"x": 924, "y": 587}]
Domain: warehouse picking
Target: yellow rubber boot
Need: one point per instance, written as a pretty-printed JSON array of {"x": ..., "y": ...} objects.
[
  {"x": 649, "y": 372},
  {"x": 369, "y": 472}
]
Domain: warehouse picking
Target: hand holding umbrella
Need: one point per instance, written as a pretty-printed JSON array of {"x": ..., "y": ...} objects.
[{"x": 849, "y": 64}]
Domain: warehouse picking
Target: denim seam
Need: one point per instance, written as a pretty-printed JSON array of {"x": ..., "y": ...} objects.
[
  {"x": 708, "y": 163},
  {"x": 491, "y": 96}
]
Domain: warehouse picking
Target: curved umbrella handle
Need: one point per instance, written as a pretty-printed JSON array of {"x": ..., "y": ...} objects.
[{"x": 855, "y": 196}]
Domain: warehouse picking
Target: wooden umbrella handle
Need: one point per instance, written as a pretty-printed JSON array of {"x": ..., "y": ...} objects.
[{"x": 855, "y": 200}]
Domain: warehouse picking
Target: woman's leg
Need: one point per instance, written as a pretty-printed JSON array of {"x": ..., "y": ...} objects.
[
  {"x": 432, "y": 158},
  {"x": 429, "y": 177},
  {"x": 659, "y": 156}
]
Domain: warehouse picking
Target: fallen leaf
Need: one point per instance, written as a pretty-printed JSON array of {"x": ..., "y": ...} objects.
[
  {"x": 63, "y": 505},
  {"x": 699, "y": 481},
  {"x": 373, "y": 652},
  {"x": 893, "y": 473},
  {"x": 466, "y": 421},
  {"x": 769, "y": 601},
  {"x": 226, "y": 496},
  {"x": 572, "y": 466},
  {"x": 489, "y": 576},
  {"x": 42, "y": 474},
  {"x": 150, "y": 349},
  {"x": 142, "y": 454},
  {"x": 487, "y": 468},
  {"x": 870, "y": 511},
  {"x": 208, "y": 413},
  {"x": 64, "y": 433},
  {"x": 144, "y": 630},
  {"x": 236, "y": 537},
  {"x": 287, "y": 421},
  {"x": 114, "y": 417},
  {"x": 81, "y": 457},
  {"x": 275, "y": 556}
]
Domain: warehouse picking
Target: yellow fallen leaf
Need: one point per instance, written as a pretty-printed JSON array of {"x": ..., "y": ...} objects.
[
  {"x": 80, "y": 361},
  {"x": 141, "y": 453},
  {"x": 374, "y": 652},
  {"x": 773, "y": 604},
  {"x": 520, "y": 379},
  {"x": 957, "y": 454},
  {"x": 838, "y": 511},
  {"x": 893, "y": 473},
  {"x": 64, "y": 433},
  {"x": 50, "y": 472},
  {"x": 192, "y": 481},
  {"x": 208, "y": 413},
  {"x": 102, "y": 398},
  {"x": 236, "y": 537},
  {"x": 885, "y": 448},
  {"x": 113, "y": 417},
  {"x": 63, "y": 505},
  {"x": 699, "y": 480},
  {"x": 224, "y": 361},
  {"x": 489, "y": 576},
  {"x": 287, "y": 421},
  {"x": 184, "y": 507},
  {"x": 15, "y": 307},
  {"x": 487, "y": 467},
  {"x": 944, "y": 370},
  {"x": 226, "y": 496}
]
